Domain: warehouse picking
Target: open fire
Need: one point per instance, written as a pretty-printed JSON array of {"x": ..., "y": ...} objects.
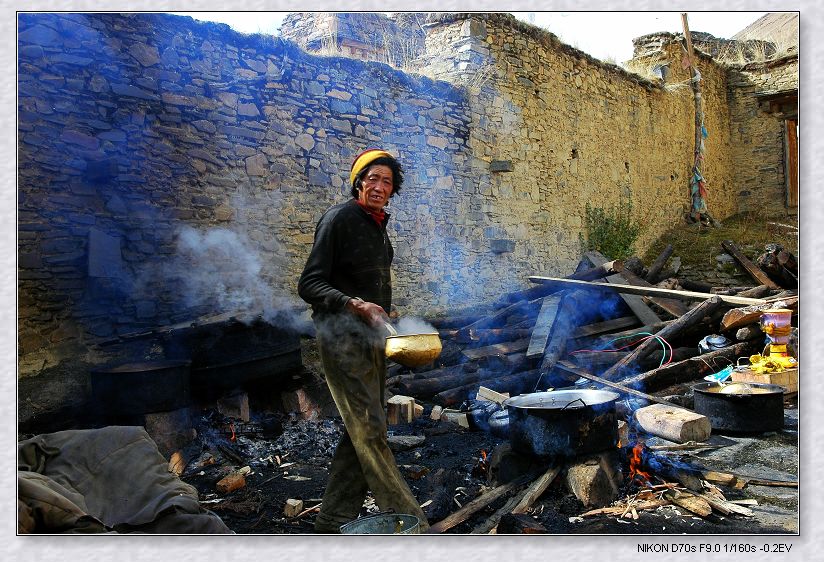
[{"x": 635, "y": 463}]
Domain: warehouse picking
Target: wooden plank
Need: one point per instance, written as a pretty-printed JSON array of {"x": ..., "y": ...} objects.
[
  {"x": 543, "y": 326},
  {"x": 791, "y": 163},
  {"x": 644, "y": 313},
  {"x": 750, "y": 267},
  {"x": 646, "y": 291},
  {"x": 570, "y": 368},
  {"x": 532, "y": 293}
]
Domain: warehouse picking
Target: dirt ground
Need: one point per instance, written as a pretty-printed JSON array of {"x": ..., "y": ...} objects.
[{"x": 289, "y": 459}]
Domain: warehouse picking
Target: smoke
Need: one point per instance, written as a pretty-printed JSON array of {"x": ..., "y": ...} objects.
[
  {"x": 219, "y": 270},
  {"x": 411, "y": 325}
]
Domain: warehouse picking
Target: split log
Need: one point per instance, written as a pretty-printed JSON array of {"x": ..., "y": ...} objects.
[
  {"x": 644, "y": 313},
  {"x": 725, "y": 507},
  {"x": 622, "y": 389},
  {"x": 690, "y": 502},
  {"x": 689, "y": 369},
  {"x": 692, "y": 317},
  {"x": 598, "y": 272},
  {"x": 517, "y": 383},
  {"x": 489, "y": 336},
  {"x": 476, "y": 505},
  {"x": 673, "y": 423},
  {"x": 658, "y": 264},
  {"x": 520, "y": 502},
  {"x": 738, "y": 317},
  {"x": 749, "y": 266},
  {"x": 573, "y": 310}
]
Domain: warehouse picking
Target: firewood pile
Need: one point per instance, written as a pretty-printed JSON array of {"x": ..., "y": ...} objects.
[{"x": 597, "y": 324}]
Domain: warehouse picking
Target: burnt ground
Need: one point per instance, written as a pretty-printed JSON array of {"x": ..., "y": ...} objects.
[{"x": 289, "y": 457}]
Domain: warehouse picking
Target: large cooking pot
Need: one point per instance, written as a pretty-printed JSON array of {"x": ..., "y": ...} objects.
[
  {"x": 563, "y": 423},
  {"x": 740, "y": 407},
  {"x": 141, "y": 388},
  {"x": 412, "y": 350}
]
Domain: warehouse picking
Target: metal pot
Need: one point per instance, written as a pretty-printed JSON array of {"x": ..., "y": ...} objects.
[
  {"x": 563, "y": 423},
  {"x": 741, "y": 407},
  {"x": 412, "y": 350}
]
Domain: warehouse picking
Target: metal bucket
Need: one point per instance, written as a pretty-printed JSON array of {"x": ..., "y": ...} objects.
[{"x": 383, "y": 524}]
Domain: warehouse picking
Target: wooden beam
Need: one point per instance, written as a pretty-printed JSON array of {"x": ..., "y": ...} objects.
[
  {"x": 646, "y": 291},
  {"x": 644, "y": 313},
  {"x": 569, "y": 367},
  {"x": 673, "y": 306},
  {"x": 694, "y": 316},
  {"x": 750, "y": 267},
  {"x": 497, "y": 349},
  {"x": 658, "y": 264}
]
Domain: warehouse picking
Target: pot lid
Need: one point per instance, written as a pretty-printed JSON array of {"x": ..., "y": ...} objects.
[{"x": 562, "y": 399}]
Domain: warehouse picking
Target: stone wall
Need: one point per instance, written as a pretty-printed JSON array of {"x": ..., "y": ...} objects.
[
  {"x": 170, "y": 169},
  {"x": 758, "y": 133}
]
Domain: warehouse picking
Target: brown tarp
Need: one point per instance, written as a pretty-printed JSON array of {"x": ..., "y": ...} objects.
[{"x": 111, "y": 479}]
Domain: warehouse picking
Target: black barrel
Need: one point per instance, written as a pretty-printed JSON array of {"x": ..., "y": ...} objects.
[{"x": 757, "y": 411}]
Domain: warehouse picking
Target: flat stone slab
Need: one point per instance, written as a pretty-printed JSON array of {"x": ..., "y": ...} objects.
[{"x": 405, "y": 442}]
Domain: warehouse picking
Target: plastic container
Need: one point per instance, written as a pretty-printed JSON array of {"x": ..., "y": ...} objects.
[
  {"x": 775, "y": 322},
  {"x": 383, "y": 524}
]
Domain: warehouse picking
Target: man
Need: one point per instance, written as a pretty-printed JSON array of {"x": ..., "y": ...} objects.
[{"x": 347, "y": 281}]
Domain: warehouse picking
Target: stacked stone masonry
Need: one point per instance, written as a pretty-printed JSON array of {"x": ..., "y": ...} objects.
[{"x": 170, "y": 168}]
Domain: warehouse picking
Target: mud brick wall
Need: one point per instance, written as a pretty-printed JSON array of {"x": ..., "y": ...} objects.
[
  {"x": 169, "y": 168},
  {"x": 759, "y": 135}
]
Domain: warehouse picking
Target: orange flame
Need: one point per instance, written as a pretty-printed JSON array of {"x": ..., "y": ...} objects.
[
  {"x": 233, "y": 437},
  {"x": 483, "y": 455},
  {"x": 635, "y": 465}
]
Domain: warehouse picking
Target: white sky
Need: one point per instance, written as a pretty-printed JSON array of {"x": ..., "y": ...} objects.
[{"x": 600, "y": 34}]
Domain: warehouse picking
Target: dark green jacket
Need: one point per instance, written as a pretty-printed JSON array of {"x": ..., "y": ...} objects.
[{"x": 350, "y": 257}]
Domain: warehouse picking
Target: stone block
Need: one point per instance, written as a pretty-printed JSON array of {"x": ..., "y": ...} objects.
[
  {"x": 502, "y": 246},
  {"x": 235, "y": 406},
  {"x": 594, "y": 479}
]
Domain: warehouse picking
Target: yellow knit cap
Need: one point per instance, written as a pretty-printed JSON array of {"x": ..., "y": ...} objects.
[{"x": 365, "y": 158}]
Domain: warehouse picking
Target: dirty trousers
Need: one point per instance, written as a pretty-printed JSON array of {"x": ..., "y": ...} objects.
[{"x": 356, "y": 374}]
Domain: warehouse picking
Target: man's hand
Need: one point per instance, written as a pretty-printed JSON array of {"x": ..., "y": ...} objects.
[{"x": 371, "y": 313}]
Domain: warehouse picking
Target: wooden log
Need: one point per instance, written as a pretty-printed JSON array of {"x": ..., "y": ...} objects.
[
  {"x": 430, "y": 386},
  {"x": 738, "y": 317},
  {"x": 455, "y": 322},
  {"x": 644, "y": 313},
  {"x": 692, "y": 317},
  {"x": 489, "y": 336},
  {"x": 645, "y": 291},
  {"x": 230, "y": 482},
  {"x": 572, "y": 311},
  {"x": 514, "y": 384},
  {"x": 597, "y": 272},
  {"x": 497, "y": 349},
  {"x": 788, "y": 261},
  {"x": 673, "y": 423},
  {"x": 723, "y": 506},
  {"x": 602, "y": 341},
  {"x": 673, "y": 306},
  {"x": 689, "y": 369},
  {"x": 476, "y": 505},
  {"x": 756, "y": 292},
  {"x": 620, "y": 388},
  {"x": 750, "y": 267},
  {"x": 544, "y": 325},
  {"x": 599, "y": 360},
  {"x": 604, "y": 327},
  {"x": 658, "y": 264},
  {"x": 494, "y": 321},
  {"x": 400, "y": 409},
  {"x": 695, "y": 286},
  {"x": 519, "y": 524}
]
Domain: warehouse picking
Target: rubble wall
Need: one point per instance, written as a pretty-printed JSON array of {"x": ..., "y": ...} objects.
[
  {"x": 759, "y": 135},
  {"x": 169, "y": 168}
]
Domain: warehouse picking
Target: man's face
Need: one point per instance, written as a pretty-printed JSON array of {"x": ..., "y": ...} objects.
[{"x": 376, "y": 187}]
